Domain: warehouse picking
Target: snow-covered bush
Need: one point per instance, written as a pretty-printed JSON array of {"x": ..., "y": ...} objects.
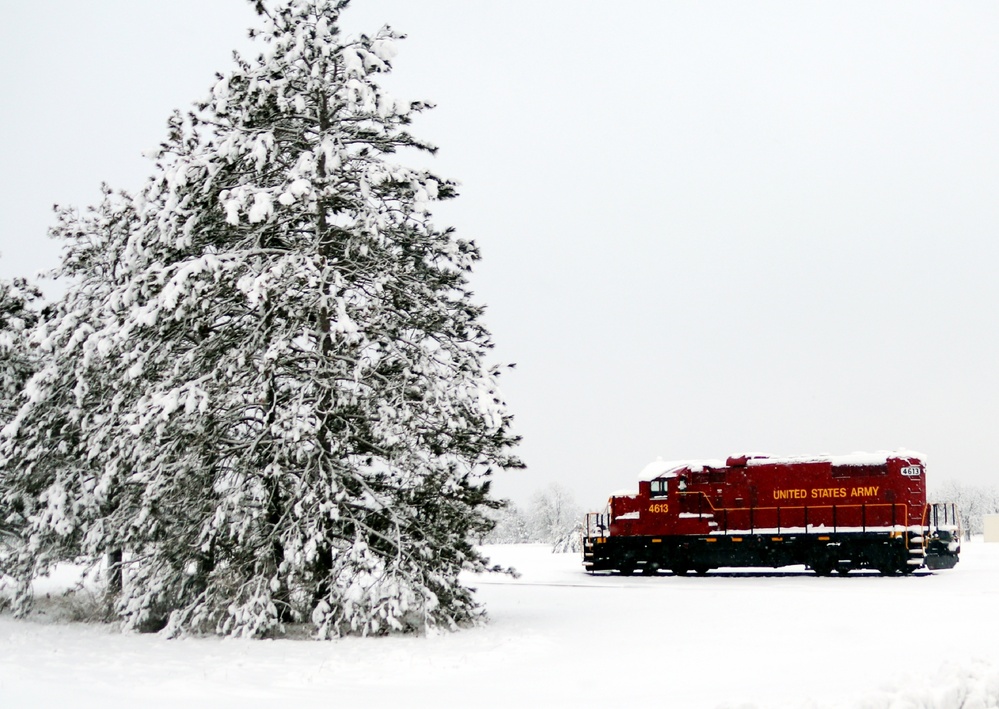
[
  {"x": 953, "y": 686},
  {"x": 267, "y": 383},
  {"x": 570, "y": 541}
]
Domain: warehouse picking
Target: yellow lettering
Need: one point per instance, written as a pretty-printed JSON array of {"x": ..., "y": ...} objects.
[
  {"x": 866, "y": 491},
  {"x": 826, "y": 492}
]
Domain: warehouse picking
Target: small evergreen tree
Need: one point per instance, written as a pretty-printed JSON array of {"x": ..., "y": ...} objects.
[
  {"x": 281, "y": 411},
  {"x": 570, "y": 541}
]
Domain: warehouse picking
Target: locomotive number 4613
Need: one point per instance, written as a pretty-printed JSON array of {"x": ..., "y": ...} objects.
[
  {"x": 659, "y": 508},
  {"x": 911, "y": 471}
]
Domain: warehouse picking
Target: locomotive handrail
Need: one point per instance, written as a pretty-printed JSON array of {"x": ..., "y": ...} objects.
[
  {"x": 951, "y": 523},
  {"x": 753, "y": 510},
  {"x": 596, "y": 522}
]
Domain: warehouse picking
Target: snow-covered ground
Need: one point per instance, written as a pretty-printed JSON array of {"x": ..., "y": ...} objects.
[{"x": 558, "y": 637}]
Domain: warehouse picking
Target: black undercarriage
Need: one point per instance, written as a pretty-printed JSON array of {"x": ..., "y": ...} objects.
[{"x": 889, "y": 553}]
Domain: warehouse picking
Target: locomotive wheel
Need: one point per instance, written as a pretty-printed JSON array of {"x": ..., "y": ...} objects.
[
  {"x": 680, "y": 570},
  {"x": 650, "y": 569},
  {"x": 822, "y": 568},
  {"x": 626, "y": 570},
  {"x": 701, "y": 570},
  {"x": 843, "y": 570}
]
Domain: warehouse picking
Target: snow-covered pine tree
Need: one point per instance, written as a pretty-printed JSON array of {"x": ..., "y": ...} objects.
[
  {"x": 51, "y": 485},
  {"x": 17, "y": 364},
  {"x": 294, "y": 419}
]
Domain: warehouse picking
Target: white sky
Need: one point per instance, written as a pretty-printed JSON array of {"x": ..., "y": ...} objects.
[{"x": 707, "y": 228}]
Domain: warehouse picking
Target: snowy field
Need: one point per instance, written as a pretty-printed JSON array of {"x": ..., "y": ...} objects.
[{"x": 560, "y": 638}]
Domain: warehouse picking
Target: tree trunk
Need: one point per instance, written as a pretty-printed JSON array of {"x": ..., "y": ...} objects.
[{"x": 114, "y": 573}]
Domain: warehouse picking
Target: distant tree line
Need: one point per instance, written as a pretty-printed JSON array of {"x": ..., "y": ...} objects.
[{"x": 552, "y": 517}]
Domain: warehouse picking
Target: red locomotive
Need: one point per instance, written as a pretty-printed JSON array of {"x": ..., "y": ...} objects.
[{"x": 830, "y": 513}]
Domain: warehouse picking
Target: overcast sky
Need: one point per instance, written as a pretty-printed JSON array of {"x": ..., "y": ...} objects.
[{"x": 707, "y": 227}]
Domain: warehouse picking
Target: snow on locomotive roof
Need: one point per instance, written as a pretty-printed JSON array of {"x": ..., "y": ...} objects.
[
  {"x": 670, "y": 469},
  {"x": 878, "y": 458}
]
